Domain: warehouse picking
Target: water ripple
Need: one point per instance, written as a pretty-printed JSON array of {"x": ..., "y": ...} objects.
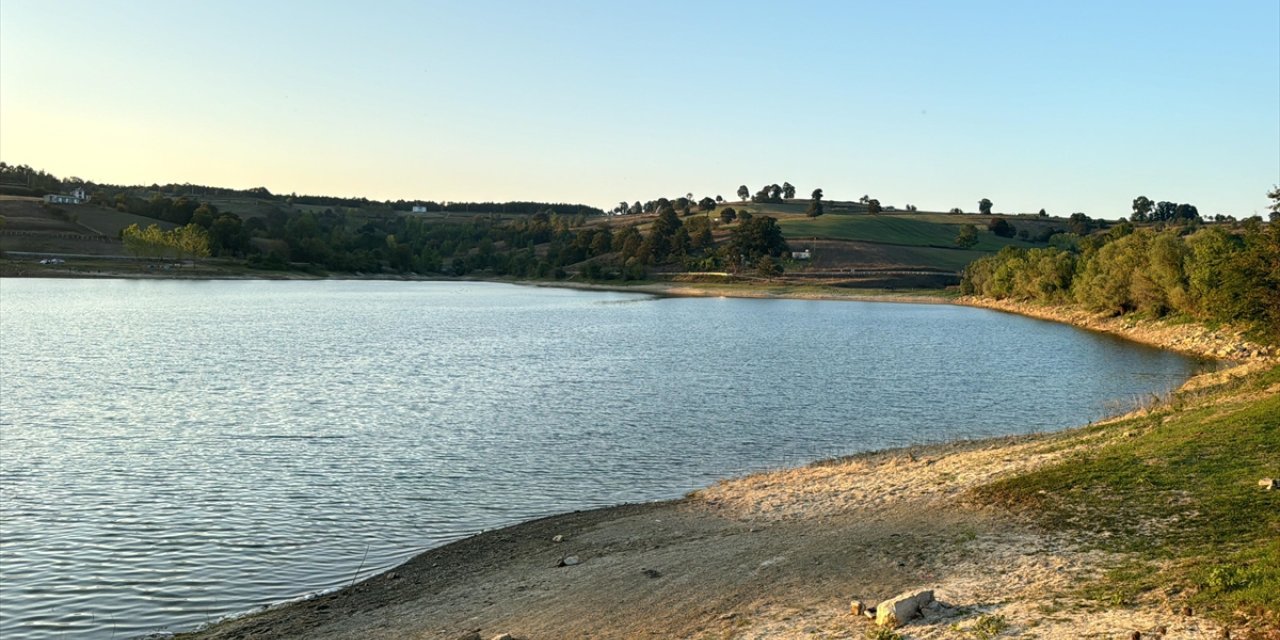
[{"x": 177, "y": 452}]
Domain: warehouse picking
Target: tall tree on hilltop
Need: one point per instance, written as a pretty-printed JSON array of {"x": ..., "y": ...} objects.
[
  {"x": 788, "y": 190},
  {"x": 744, "y": 193},
  {"x": 984, "y": 207},
  {"x": 1142, "y": 206},
  {"x": 815, "y": 204}
]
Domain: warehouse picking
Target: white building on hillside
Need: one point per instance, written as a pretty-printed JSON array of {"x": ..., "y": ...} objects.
[{"x": 77, "y": 196}]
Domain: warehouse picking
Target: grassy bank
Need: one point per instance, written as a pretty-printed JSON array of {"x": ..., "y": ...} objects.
[{"x": 1177, "y": 491}]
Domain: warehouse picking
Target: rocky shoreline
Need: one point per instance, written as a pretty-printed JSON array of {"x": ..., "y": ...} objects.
[{"x": 1224, "y": 343}]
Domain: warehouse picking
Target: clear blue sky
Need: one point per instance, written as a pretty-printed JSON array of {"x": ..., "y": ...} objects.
[{"x": 1071, "y": 106}]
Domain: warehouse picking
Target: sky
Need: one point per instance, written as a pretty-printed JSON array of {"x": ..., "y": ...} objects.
[{"x": 1069, "y": 106}]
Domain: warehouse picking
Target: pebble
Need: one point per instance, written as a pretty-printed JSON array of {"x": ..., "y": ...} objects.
[{"x": 568, "y": 561}]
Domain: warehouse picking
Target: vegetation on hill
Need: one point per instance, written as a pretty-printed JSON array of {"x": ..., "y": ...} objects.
[
  {"x": 263, "y": 230},
  {"x": 1208, "y": 274}
]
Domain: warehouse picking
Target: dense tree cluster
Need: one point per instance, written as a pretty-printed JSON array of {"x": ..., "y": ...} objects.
[
  {"x": 190, "y": 241},
  {"x": 1210, "y": 274},
  {"x": 771, "y": 193},
  {"x": 1001, "y": 227},
  {"x": 1144, "y": 210},
  {"x": 22, "y": 180}
]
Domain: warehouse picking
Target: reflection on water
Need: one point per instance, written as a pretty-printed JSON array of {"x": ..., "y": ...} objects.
[{"x": 177, "y": 451}]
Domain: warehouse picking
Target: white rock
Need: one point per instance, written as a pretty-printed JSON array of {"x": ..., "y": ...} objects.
[
  {"x": 569, "y": 561},
  {"x": 1269, "y": 484},
  {"x": 558, "y": 539},
  {"x": 899, "y": 609}
]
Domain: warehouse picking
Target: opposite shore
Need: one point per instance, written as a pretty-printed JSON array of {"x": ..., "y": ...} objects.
[
  {"x": 781, "y": 554},
  {"x": 1187, "y": 338}
]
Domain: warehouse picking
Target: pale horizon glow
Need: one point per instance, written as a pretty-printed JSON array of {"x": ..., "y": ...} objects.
[{"x": 1067, "y": 106}]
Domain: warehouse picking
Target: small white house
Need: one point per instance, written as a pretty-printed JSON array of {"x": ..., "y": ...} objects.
[
  {"x": 800, "y": 255},
  {"x": 77, "y": 196},
  {"x": 419, "y": 208}
]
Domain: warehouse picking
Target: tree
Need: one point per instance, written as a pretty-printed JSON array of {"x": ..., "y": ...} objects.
[
  {"x": 1186, "y": 212},
  {"x": 660, "y": 242},
  {"x": 968, "y": 236},
  {"x": 1001, "y": 227},
  {"x": 706, "y": 204},
  {"x": 788, "y": 190},
  {"x": 815, "y": 208},
  {"x": 728, "y": 215},
  {"x": 817, "y": 194},
  {"x": 1080, "y": 224},
  {"x": 956, "y": 211},
  {"x": 1043, "y": 214},
  {"x": 1274, "y": 194},
  {"x": 757, "y": 237},
  {"x": 984, "y": 207},
  {"x": 719, "y": 198},
  {"x": 1142, "y": 208},
  {"x": 744, "y": 193},
  {"x": 699, "y": 228},
  {"x": 767, "y": 267},
  {"x": 873, "y": 206},
  {"x": 775, "y": 192}
]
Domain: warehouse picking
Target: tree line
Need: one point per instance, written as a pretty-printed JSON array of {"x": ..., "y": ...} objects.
[{"x": 1211, "y": 274}]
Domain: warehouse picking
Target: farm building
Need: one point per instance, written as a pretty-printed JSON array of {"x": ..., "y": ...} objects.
[{"x": 77, "y": 196}]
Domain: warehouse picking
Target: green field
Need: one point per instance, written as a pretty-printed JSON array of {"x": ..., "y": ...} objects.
[{"x": 906, "y": 229}]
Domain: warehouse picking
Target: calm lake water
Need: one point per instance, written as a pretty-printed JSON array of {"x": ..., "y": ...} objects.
[{"x": 171, "y": 452}]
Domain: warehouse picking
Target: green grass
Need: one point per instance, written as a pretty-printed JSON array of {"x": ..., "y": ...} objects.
[
  {"x": 905, "y": 229},
  {"x": 1178, "y": 488},
  {"x": 865, "y": 254}
]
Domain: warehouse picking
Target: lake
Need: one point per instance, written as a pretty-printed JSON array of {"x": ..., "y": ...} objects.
[{"x": 175, "y": 451}]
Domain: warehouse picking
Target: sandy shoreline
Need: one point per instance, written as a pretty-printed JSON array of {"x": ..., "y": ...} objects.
[{"x": 772, "y": 555}]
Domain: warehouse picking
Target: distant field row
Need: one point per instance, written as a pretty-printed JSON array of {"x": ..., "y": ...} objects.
[{"x": 891, "y": 229}]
